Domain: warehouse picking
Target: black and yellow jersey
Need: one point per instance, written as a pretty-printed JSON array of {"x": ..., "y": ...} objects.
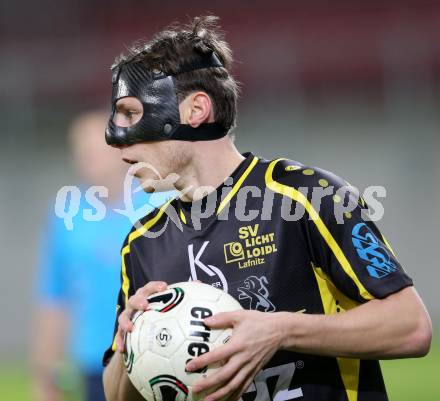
[{"x": 270, "y": 244}]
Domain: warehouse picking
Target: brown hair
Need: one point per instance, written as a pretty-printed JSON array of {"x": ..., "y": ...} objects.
[{"x": 178, "y": 45}]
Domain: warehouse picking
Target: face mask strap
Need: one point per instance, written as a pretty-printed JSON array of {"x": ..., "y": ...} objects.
[{"x": 210, "y": 60}]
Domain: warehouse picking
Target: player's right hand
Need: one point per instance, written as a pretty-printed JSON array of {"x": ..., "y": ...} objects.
[{"x": 137, "y": 302}]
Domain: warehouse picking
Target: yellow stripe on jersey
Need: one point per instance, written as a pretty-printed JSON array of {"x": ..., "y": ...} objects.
[
  {"x": 126, "y": 250},
  {"x": 332, "y": 298},
  {"x": 114, "y": 344},
  {"x": 182, "y": 216},
  {"x": 149, "y": 224},
  {"x": 334, "y": 301},
  {"x": 320, "y": 225},
  {"x": 237, "y": 185}
]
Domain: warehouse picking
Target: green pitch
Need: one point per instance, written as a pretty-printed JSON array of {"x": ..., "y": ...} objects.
[{"x": 406, "y": 380}]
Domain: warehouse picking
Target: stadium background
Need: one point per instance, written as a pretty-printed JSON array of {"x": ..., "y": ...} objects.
[{"x": 349, "y": 86}]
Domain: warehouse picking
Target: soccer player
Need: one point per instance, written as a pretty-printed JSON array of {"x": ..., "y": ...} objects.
[{"x": 256, "y": 229}]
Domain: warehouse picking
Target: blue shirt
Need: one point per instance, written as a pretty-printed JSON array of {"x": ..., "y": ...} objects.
[{"x": 80, "y": 270}]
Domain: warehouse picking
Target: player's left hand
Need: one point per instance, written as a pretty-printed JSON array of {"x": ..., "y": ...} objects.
[{"x": 255, "y": 338}]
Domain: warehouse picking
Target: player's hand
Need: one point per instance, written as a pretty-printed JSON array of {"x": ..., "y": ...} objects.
[
  {"x": 255, "y": 338},
  {"x": 137, "y": 302}
]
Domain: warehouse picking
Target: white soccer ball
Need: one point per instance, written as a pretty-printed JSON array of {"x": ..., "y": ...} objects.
[{"x": 170, "y": 334}]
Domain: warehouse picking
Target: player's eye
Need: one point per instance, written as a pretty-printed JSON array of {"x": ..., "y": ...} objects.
[
  {"x": 127, "y": 114},
  {"x": 131, "y": 113}
]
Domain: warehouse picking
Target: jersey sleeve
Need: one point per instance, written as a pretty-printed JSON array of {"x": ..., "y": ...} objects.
[
  {"x": 340, "y": 237},
  {"x": 125, "y": 291},
  {"x": 347, "y": 245},
  {"x": 112, "y": 348}
]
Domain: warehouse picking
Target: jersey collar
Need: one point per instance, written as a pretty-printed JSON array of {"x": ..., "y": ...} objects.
[{"x": 222, "y": 195}]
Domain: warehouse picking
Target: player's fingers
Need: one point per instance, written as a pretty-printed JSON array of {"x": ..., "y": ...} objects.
[
  {"x": 236, "y": 395},
  {"x": 233, "y": 386},
  {"x": 124, "y": 321},
  {"x": 152, "y": 287},
  {"x": 219, "y": 354},
  {"x": 120, "y": 340},
  {"x": 223, "y": 375},
  {"x": 222, "y": 320},
  {"x": 137, "y": 302}
]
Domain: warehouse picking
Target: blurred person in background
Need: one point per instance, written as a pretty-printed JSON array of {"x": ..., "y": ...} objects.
[{"x": 78, "y": 276}]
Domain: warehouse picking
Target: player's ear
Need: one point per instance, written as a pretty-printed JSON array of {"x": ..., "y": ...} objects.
[{"x": 196, "y": 109}]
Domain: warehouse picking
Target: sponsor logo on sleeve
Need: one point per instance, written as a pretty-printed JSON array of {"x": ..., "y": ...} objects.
[{"x": 372, "y": 251}]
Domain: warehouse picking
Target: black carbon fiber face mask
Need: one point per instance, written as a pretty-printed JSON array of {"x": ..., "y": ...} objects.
[{"x": 156, "y": 91}]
